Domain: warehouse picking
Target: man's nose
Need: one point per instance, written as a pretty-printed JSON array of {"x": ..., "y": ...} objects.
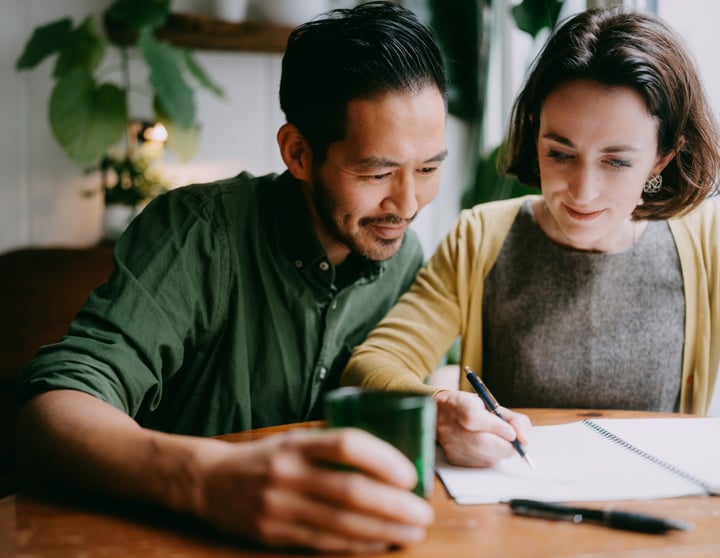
[{"x": 402, "y": 199}]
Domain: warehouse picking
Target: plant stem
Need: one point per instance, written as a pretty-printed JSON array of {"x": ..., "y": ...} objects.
[{"x": 130, "y": 142}]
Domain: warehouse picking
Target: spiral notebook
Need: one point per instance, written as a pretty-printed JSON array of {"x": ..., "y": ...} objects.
[{"x": 606, "y": 459}]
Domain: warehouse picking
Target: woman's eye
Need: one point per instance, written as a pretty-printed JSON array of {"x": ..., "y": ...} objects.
[
  {"x": 558, "y": 155},
  {"x": 619, "y": 163}
]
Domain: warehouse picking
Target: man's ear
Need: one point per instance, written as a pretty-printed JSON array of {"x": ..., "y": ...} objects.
[{"x": 295, "y": 152}]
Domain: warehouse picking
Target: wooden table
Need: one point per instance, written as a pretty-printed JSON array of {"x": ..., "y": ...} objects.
[{"x": 39, "y": 524}]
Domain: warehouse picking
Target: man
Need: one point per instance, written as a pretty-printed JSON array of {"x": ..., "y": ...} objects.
[{"x": 236, "y": 305}]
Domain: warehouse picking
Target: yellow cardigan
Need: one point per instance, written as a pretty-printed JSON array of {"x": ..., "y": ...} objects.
[{"x": 446, "y": 301}]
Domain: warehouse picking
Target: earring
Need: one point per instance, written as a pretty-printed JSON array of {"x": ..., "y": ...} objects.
[{"x": 654, "y": 185}]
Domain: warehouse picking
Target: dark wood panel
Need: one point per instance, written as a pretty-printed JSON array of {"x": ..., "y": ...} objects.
[
  {"x": 205, "y": 33},
  {"x": 41, "y": 290}
]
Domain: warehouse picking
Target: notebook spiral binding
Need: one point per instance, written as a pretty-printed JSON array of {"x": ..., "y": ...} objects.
[{"x": 656, "y": 460}]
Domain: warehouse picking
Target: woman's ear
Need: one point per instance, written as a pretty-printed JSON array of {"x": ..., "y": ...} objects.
[
  {"x": 663, "y": 161},
  {"x": 295, "y": 152}
]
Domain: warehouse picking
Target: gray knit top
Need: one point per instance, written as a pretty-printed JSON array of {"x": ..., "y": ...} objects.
[{"x": 570, "y": 328}]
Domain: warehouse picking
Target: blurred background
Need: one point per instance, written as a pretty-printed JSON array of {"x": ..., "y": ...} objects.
[{"x": 44, "y": 194}]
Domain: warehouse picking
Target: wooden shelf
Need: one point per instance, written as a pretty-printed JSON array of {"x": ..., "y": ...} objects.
[{"x": 204, "y": 33}]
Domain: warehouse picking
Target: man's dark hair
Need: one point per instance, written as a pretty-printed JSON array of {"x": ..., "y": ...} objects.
[{"x": 348, "y": 54}]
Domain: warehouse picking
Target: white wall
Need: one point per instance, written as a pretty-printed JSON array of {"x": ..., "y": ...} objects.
[
  {"x": 696, "y": 20},
  {"x": 41, "y": 201}
]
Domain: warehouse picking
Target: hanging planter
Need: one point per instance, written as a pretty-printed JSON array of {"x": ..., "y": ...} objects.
[{"x": 127, "y": 182}]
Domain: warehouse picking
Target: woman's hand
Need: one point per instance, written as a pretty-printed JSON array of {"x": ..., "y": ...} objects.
[{"x": 470, "y": 435}]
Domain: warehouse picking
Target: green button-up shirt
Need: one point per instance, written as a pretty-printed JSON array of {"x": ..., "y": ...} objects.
[{"x": 223, "y": 313}]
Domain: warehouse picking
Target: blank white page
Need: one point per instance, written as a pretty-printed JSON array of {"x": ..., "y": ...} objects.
[{"x": 575, "y": 463}]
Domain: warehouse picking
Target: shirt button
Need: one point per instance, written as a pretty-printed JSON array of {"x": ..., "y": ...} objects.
[
  {"x": 324, "y": 266},
  {"x": 323, "y": 373},
  {"x": 298, "y": 264},
  {"x": 333, "y": 305}
]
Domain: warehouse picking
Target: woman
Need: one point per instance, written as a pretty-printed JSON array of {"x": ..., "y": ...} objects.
[{"x": 602, "y": 292}]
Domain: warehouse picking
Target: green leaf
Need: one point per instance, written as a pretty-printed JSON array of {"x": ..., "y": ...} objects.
[
  {"x": 165, "y": 77},
  {"x": 492, "y": 184},
  {"x": 463, "y": 37},
  {"x": 130, "y": 180},
  {"x": 86, "y": 118},
  {"x": 84, "y": 47},
  {"x": 182, "y": 141},
  {"x": 45, "y": 41},
  {"x": 140, "y": 14},
  {"x": 200, "y": 75},
  {"x": 532, "y": 16}
]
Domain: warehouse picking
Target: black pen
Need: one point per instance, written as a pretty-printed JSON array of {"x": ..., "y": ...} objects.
[
  {"x": 492, "y": 405},
  {"x": 629, "y": 521}
]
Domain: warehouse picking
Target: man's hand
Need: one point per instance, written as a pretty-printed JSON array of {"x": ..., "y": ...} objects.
[
  {"x": 281, "y": 491},
  {"x": 473, "y": 437},
  {"x": 285, "y": 490}
]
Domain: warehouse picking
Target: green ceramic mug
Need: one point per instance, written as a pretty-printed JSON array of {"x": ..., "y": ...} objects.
[{"x": 405, "y": 420}]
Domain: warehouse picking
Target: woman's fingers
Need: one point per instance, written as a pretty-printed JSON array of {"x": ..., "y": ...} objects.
[
  {"x": 472, "y": 436},
  {"x": 521, "y": 423}
]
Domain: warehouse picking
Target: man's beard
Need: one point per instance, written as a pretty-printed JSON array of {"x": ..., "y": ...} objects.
[{"x": 331, "y": 218}]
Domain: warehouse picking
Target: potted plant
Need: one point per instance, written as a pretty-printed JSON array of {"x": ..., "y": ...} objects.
[
  {"x": 89, "y": 109},
  {"x": 131, "y": 177}
]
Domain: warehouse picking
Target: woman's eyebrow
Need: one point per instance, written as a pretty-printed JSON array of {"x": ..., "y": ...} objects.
[
  {"x": 558, "y": 138},
  {"x": 609, "y": 149}
]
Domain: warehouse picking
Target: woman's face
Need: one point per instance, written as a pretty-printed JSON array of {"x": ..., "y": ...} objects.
[{"x": 597, "y": 146}]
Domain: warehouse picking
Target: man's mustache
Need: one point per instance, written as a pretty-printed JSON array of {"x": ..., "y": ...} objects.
[{"x": 386, "y": 220}]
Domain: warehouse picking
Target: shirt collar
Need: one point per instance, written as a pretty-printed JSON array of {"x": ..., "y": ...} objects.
[{"x": 298, "y": 239}]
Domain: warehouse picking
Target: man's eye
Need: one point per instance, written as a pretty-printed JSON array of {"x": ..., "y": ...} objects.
[{"x": 375, "y": 177}]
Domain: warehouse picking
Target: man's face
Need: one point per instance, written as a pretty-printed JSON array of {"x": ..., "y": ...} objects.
[{"x": 376, "y": 179}]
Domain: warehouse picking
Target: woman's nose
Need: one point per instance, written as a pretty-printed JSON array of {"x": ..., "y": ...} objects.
[{"x": 583, "y": 185}]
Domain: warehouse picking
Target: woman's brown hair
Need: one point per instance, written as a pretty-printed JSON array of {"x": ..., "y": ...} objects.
[{"x": 639, "y": 51}]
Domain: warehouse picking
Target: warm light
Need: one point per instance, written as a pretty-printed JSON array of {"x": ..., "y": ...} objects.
[{"x": 156, "y": 132}]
